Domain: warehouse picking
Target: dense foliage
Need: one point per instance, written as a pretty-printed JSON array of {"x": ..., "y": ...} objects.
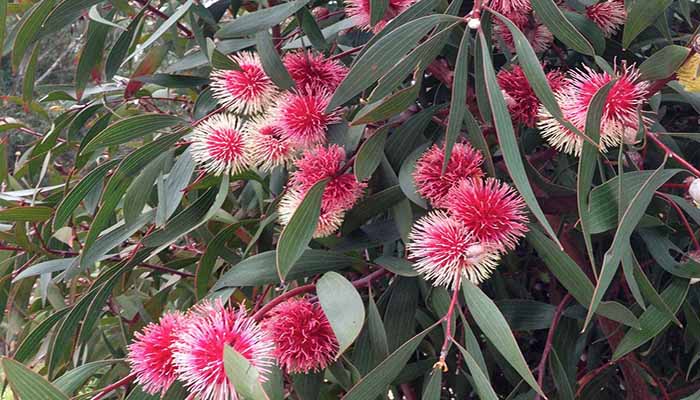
[{"x": 361, "y": 199}]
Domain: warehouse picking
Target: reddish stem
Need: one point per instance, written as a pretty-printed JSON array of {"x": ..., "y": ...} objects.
[
  {"x": 160, "y": 14},
  {"x": 116, "y": 385},
  {"x": 542, "y": 367},
  {"x": 684, "y": 220},
  {"x": 672, "y": 154},
  {"x": 347, "y": 52}
]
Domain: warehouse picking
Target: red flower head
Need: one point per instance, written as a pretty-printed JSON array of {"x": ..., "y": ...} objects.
[
  {"x": 218, "y": 145},
  {"x": 444, "y": 250},
  {"x": 509, "y": 7},
  {"x": 199, "y": 352},
  {"x": 491, "y": 210},
  {"x": 265, "y": 140},
  {"x": 340, "y": 194},
  {"x": 304, "y": 339},
  {"x": 303, "y": 117},
  {"x": 619, "y": 113},
  {"x": 151, "y": 354},
  {"x": 311, "y": 70},
  {"x": 244, "y": 90},
  {"x": 537, "y": 34},
  {"x": 608, "y": 15},
  {"x": 359, "y": 10},
  {"x": 432, "y": 184},
  {"x": 522, "y": 101}
]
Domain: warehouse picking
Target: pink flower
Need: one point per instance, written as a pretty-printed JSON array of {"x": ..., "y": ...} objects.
[
  {"x": 310, "y": 70},
  {"x": 151, "y": 353},
  {"x": 218, "y": 145},
  {"x": 304, "y": 339},
  {"x": 303, "y": 117},
  {"x": 491, "y": 210},
  {"x": 245, "y": 90},
  {"x": 199, "y": 351},
  {"x": 265, "y": 141},
  {"x": 522, "y": 101},
  {"x": 359, "y": 11},
  {"x": 608, "y": 15},
  {"x": 509, "y": 7},
  {"x": 341, "y": 193},
  {"x": 444, "y": 250},
  {"x": 537, "y": 34},
  {"x": 620, "y": 113},
  {"x": 432, "y": 184}
]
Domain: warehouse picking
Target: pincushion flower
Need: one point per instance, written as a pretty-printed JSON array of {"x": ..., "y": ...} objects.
[
  {"x": 199, "y": 352},
  {"x": 303, "y": 337},
  {"x": 432, "y": 184},
  {"x": 688, "y": 74},
  {"x": 620, "y": 113},
  {"x": 492, "y": 211},
  {"x": 444, "y": 250},
  {"x": 151, "y": 353},
  {"x": 509, "y": 7},
  {"x": 302, "y": 116},
  {"x": 218, "y": 145},
  {"x": 608, "y": 15},
  {"x": 359, "y": 11},
  {"x": 539, "y": 37},
  {"x": 341, "y": 192},
  {"x": 521, "y": 99},
  {"x": 266, "y": 143},
  {"x": 314, "y": 70},
  {"x": 246, "y": 90}
]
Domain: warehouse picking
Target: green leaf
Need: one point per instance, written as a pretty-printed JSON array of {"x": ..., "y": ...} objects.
[
  {"x": 3, "y": 23},
  {"x": 496, "y": 329},
  {"x": 561, "y": 380},
  {"x": 387, "y": 107},
  {"x": 26, "y": 214},
  {"x": 75, "y": 378},
  {"x": 30, "y": 76},
  {"x": 589, "y": 29},
  {"x": 173, "y": 81},
  {"x": 343, "y": 306},
  {"x": 377, "y": 8},
  {"x": 508, "y": 142},
  {"x": 640, "y": 15},
  {"x": 64, "y": 14},
  {"x": 91, "y": 54},
  {"x": 374, "y": 384},
  {"x": 296, "y": 235},
  {"x": 164, "y": 27},
  {"x": 433, "y": 388},
  {"x": 663, "y": 63},
  {"x": 129, "y": 129},
  {"x": 406, "y": 182},
  {"x": 372, "y": 346},
  {"x": 215, "y": 248},
  {"x": 243, "y": 375},
  {"x": 271, "y": 62},
  {"x": 29, "y": 28},
  {"x": 311, "y": 29},
  {"x": 408, "y": 136},
  {"x": 121, "y": 47},
  {"x": 370, "y": 154},
  {"x": 399, "y": 266},
  {"x": 45, "y": 267},
  {"x": 481, "y": 381},
  {"x": 562, "y": 28},
  {"x": 27, "y": 384},
  {"x": 31, "y": 343},
  {"x": 259, "y": 20},
  {"x": 371, "y": 206},
  {"x": 459, "y": 97},
  {"x": 650, "y": 293}
]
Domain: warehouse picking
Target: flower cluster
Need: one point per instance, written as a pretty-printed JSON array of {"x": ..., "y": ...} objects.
[
  {"x": 189, "y": 347},
  {"x": 621, "y": 112},
  {"x": 520, "y": 97},
  {"x": 478, "y": 221}
]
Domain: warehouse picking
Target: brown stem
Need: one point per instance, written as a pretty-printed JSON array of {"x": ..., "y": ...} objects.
[
  {"x": 542, "y": 367},
  {"x": 672, "y": 154},
  {"x": 684, "y": 220},
  {"x": 116, "y": 385}
]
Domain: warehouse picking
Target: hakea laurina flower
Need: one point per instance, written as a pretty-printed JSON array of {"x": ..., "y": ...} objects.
[
  {"x": 303, "y": 117},
  {"x": 151, "y": 353},
  {"x": 341, "y": 193},
  {"x": 199, "y": 351},
  {"x": 432, "y": 184},
  {"x": 444, "y": 250},
  {"x": 521, "y": 99},
  {"x": 609, "y": 15},
  {"x": 218, "y": 145},
  {"x": 689, "y": 74},
  {"x": 492, "y": 211},
  {"x": 303, "y": 337},
  {"x": 510, "y": 7},
  {"x": 359, "y": 11},
  {"x": 265, "y": 140},
  {"x": 537, "y": 34},
  {"x": 620, "y": 113},
  {"x": 246, "y": 90},
  {"x": 314, "y": 70}
]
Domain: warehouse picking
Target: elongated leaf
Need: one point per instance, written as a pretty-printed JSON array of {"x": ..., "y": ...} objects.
[
  {"x": 121, "y": 47},
  {"x": 91, "y": 54},
  {"x": 45, "y": 267},
  {"x": 370, "y": 154},
  {"x": 459, "y": 98},
  {"x": 650, "y": 293},
  {"x": 75, "y": 378},
  {"x": 377, "y": 9},
  {"x": 311, "y": 29},
  {"x": 26, "y": 214},
  {"x": 27, "y": 384},
  {"x": 30, "y": 76},
  {"x": 508, "y": 142},
  {"x": 481, "y": 381},
  {"x": 562, "y": 28},
  {"x": 94, "y": 15},
  {"x": 28, "y": 30},
  {"x": 129, "y": 129},
  {"x": 259, "y": 20},
  {"x": 271, "y": 62},
  {"x": 663, "y": 63},
  {"x": 398, "y": 266},
  {"x": 242, "y": 375},
  {"x": 640, "y": 15},
  {"x": 64, "y": 14},
  {"x": 433, "y": 387},
  {"x": 31, "y": 343},
  {"x": 388, "y": 107},
  {"x": 296, "y": 235},
  {"x": 215, "y": 248},
  {"x": 343, "y": 306},
  {"x": 164, "y": 27}
]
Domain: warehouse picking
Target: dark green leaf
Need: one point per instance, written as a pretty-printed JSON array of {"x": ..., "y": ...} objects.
[
  {"x": 271, "y": 62},
  {"x": 370, "y": 154},
  {"x": 343, "y": 306},
  {"x": 640, "y": 15},
  {"x": 562, "y": 28},
  {"x": 663, "y": 63},
  {"x": 259, "y": 20},
  {"x": 129, "y": 129},
  {"x": 26, "y": 214},
  {"x": 27, "y": 384}
]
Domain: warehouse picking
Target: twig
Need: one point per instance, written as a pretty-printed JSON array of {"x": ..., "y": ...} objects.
[
  {"x": 672, "y": 154},
  {"x": 164, "y": 16},
  {"x": 684, "y": 220},
  {"x": 116, "y": 385},
  {"x": 542, "y": 367}
]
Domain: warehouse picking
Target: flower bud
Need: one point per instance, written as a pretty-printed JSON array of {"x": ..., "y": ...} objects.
[
  {"x": 474, "y": 23},
  {"x": 694, "y": 191}
]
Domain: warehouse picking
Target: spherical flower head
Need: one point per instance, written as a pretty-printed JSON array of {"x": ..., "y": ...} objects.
[
  {"x": 303, "y": 117},
  {"x": 688, "y": 75},
  {"x": 359, "y": 11},
  {"x": 328, "y": 220},
  {"x": 246, "y": 90},
  {"x": 265, "y": 141},
  {"x": 303, "y": 337},
  {"x": 509, "y": 7},
  {"x": 218, "y": 145},
  {"x": 444, "y": 250},
  {"x": 432, "y": 184},
  {"x": 151, "y": 353},
  {"x": 314, "y": 70},
  {"x": 522, "y": 102},
  {"x": 491, "y": 210},
  {"x": 608, "y": 15},
  {"x": 694, "y": 191},
  {"x": 199, "y": 352},
  {"x": 539, "y": 37}
]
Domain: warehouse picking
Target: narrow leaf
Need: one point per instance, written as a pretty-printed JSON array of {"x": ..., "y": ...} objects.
[{"x": 343, "y": 306}]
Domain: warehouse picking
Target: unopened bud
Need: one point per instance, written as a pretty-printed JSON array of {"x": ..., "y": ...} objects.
[
  {"x": 694, "y": 191},
  {"x": 474, "y": 23}
]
